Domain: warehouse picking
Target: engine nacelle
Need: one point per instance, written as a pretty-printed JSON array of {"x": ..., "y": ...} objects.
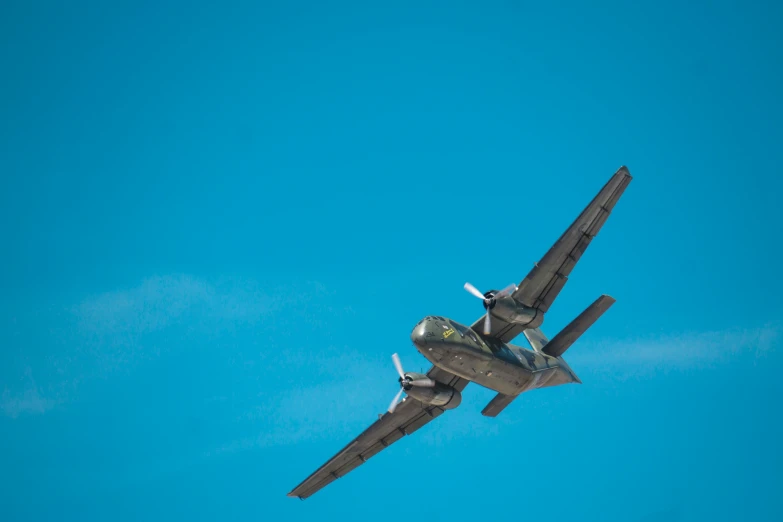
[
  {"x": 507, "y": 309},
  {"x": 439, "y": 395}
]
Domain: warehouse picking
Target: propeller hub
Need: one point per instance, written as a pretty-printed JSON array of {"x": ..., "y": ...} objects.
[
  {"x": 488, "y": 300},
  {"x": 407, "y": 382}
]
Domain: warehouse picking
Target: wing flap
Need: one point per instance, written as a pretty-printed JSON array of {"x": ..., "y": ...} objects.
[
  {"x": 373, "y": 450},
  {"x": 423, "y": 419},
  {"x": 348, "y": 467}
]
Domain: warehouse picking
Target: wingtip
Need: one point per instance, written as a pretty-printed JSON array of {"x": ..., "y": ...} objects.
[
  {"x": 625, "y": 171},
  {"x": 607, "y": 298}
]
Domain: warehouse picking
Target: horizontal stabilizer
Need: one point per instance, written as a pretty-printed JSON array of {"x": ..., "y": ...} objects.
[
  {"x": 497, "y": 404},
  {"x": 563, "y": 340}
]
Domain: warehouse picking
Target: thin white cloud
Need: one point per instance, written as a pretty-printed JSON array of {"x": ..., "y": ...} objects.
[
  {"x": 27, "y": 401},
  {"x": 116, "y": 322},
  {"x": 107, "y": 331},
  {"x": 675, "y": 351},
  {"x": 309, "y": 413},
  {"x": 161, "y": 301}
]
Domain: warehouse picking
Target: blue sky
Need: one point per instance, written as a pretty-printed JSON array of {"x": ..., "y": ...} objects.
[{"x": 218, "y": 223}]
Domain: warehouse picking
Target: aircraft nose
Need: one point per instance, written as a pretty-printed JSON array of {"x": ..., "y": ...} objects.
[{"x": 419, "y": 333}]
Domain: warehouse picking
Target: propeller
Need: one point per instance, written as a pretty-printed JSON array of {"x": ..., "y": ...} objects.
[
  {"x": 489, "y": 300},
  {"x": 406, "y": 383}
]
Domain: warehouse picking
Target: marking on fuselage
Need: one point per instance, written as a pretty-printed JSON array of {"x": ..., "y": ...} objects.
[{"x": 447, "y": 333}]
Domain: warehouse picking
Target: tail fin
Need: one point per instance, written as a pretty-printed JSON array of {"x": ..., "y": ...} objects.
[
  {"x": 556, "y": 347},
  {"x": 568, "y": 335},
  {"x": 536, "y": 338}
]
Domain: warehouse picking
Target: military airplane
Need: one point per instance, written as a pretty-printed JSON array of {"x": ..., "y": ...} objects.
[{"x": 482, "y": 353}]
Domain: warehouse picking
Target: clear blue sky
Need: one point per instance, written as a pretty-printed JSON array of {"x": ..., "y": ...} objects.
[{"x": 218, "y": 223}]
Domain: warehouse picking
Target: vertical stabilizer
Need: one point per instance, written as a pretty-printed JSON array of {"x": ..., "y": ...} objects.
[{"x": 536, "y": 338}]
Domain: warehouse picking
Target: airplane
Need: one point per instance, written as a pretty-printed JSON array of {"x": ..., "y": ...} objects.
[{"x": 482, "y": 353}]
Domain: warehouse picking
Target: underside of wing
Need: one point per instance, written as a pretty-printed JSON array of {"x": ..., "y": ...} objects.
[
  {"x": 408, "y": 417},
  {"x": 542, "y": 285}
]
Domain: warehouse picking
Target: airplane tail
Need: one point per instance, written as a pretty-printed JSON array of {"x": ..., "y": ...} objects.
[
  {"x": 568, "y": 335},
  {"x": 556, "y": 347},
  {"x": 538, "y": 341}
]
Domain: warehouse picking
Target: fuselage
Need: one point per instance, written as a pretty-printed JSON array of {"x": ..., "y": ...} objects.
[{"x": 499, "y": 366}]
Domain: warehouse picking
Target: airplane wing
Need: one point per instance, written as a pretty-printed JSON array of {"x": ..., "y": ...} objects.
[
  {"x": 545, "y": 281},
  {"x": 409, "y": 416}
]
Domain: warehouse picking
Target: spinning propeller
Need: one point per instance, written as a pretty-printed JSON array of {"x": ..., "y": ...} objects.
[
  {"x": 489, "y": 300},
  {"x": 406, "y": 383}
]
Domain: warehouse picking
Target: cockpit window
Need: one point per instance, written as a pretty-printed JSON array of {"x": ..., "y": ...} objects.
[{"x": 459, "y": 328}]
